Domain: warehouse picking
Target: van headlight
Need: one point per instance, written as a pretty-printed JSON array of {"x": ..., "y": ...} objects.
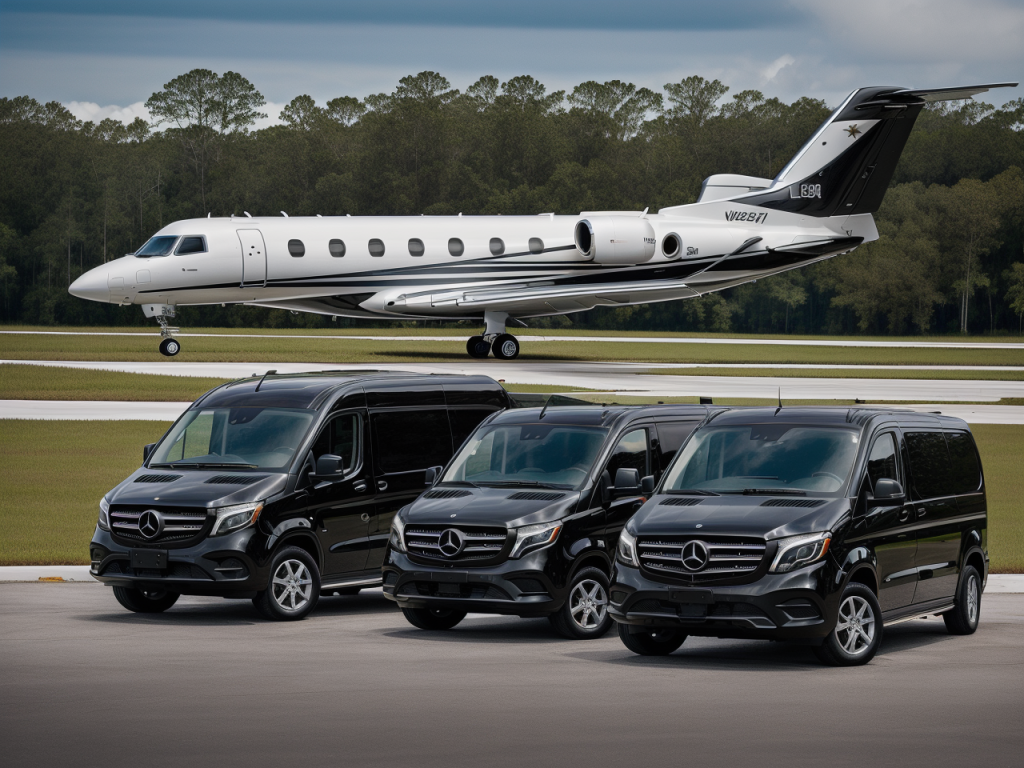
[
  {"x": 104, "y": 521},
  {"x": 397, "y": 540},
  {"x": 236, "y": 517},
  {"x": 627, "y": 549},
  {"x": 530, "y": 538},
  {"x": 798, "y": 551}
]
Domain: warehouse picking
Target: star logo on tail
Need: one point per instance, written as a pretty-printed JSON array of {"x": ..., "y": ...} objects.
[{"x": 854, "y": 131}]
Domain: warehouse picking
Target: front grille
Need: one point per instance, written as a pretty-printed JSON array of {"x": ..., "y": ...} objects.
[
  {"x": 535, "y": 496},
  {"x": 806, "y": 503},
  {"x": 444, "y": 493},
  {"x": 235, "y": 479},
  {"x": 157, "y": 478},
  {"x": 481, "y": 544},
  {"x": 681, "y": 501},
  {"x": 181, "y": 527},
  {"x": 728, "y": 557}
]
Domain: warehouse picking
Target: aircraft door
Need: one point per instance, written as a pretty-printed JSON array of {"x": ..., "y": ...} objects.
[{"x": 254, "y": 258}]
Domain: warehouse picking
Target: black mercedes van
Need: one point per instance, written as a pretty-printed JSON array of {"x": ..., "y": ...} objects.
[
  {"x": 525, "y": 518},
  {"x": 281, "y": 488},
  {"x": 819, "y": 525}
]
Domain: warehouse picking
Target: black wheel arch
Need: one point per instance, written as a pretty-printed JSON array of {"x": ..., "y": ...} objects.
[{"x": 303, "y": 540}]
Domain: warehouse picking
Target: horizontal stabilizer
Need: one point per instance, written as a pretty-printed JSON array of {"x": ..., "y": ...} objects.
[{"x": 953, "y": 93}]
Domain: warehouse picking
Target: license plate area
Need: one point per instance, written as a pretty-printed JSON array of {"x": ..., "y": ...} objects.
[
  {"x": 149, "y": 559},
  {"x": 693, "y": 596},
  {"x": 692, "y": 611}
]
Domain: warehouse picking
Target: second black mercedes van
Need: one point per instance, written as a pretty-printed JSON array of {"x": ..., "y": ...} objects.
[{"x": 525, "y": 518}]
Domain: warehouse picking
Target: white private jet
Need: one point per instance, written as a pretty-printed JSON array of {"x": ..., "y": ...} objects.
[{"x": 500, "y": 269}]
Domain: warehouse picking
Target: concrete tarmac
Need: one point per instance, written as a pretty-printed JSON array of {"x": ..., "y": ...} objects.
[{"x": 209, "y": 683}]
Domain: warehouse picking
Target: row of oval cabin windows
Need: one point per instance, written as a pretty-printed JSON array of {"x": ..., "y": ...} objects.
[{"x": 416, "y": 248}]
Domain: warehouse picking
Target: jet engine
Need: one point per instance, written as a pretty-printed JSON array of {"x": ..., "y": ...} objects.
[{"x": 615, "y": 239}]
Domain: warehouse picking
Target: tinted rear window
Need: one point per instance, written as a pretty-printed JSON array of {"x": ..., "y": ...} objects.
[
  {"x": 966, "y": 474},
  {"x": 929, "y": 464},
  {"x": 405, "y": 441}
]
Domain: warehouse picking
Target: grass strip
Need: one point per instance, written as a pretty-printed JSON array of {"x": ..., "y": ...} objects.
[
  {"x": 334, "y": 350},
  {"x": 846, "y": 373},
  {"x": 33, "y": 382}
]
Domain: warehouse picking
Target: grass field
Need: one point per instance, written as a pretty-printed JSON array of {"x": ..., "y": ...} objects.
[
  {"x": 335, "y": 348},
  {"x": 32, "y": 382},
  {"x": 53, "y": 474}
]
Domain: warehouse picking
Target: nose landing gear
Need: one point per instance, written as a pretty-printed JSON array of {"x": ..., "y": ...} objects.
[
  {"x": 505, "y": 346},
  {"x": 169, "y": 347}
]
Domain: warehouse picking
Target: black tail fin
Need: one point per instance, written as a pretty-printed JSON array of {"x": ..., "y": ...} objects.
[{"x": 846, "y": 166}]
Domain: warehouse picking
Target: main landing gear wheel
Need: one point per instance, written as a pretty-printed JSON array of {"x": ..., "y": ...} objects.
[
  {"x": 505, "y": 347},
  {"x": 169, "y": 347},
  {"x": 477, "y": 347}
]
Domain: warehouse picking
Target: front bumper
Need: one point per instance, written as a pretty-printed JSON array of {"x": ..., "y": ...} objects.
[
  {"x": 513, "y": 588},
  {"x": 221, "y": 566},
  {"x": 778, "y": 606}
]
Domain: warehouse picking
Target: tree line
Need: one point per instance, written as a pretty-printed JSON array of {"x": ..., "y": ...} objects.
[{"x": 950, "y": 257}]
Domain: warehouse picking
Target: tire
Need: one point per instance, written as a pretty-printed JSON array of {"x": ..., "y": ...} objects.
[
  {"x": 145, "y": 600},
  {"x": 294, "y": 586},
  {"x": 433, "y": 618},
  {"x": 477, "y": 347},
  {"x": 963, "y": 620},
  {"x": 651, "y": 642},
  {"x": 170, "y": 347},
  {"x": 505, "y": 347},
  {"x": 858, "y": 632},
  {"x": 584, "y": 616}
]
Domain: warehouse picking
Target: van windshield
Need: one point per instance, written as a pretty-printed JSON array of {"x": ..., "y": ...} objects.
[
  {"x": 549, "y": 455},
  {"x": 244, "y": 438},
  {"x": 774, "y": 457}
]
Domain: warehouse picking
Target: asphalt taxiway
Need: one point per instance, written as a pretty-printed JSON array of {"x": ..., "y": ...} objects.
[{"x": 209, "y": 683}]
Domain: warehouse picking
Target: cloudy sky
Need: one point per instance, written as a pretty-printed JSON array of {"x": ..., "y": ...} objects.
[{"x": 105, "y": 57}]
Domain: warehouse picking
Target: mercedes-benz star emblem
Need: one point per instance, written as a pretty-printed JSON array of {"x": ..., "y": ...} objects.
[
  {"x": 694, "y": 555},
  {"x": 150, "y": 524},
  {"x": 451, "y": 542}
]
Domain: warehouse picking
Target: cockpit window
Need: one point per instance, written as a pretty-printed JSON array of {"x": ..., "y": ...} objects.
[
  {"x": 191, "y": 244},
  {"x": 157, "y": 246}
]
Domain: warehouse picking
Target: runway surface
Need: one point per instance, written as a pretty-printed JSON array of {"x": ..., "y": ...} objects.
[
  {"x": 209, "y": 683},
  {"x": 531, "y": 338},
  {"x": 624, "y": 378}
]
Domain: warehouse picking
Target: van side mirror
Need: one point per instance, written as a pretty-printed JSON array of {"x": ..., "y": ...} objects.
[
  {"x": 627, "y": 482},
  {"x": 147, "y": 450},
  {"x": 887, "y": 492},
  {"x": 431, "y": 475},
  {"x": 647, "y": 485},
  {"x": 328, "y": 465}
]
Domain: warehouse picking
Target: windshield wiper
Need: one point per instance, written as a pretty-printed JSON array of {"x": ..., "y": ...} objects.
[
  {"x": 691, "y": 492},
  {"x": 459, "y": 482},
  {"x": 204, "y": 465},
  {"x": 773, "y": 491}
]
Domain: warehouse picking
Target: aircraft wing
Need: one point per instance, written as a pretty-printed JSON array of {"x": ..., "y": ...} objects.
[{"x": 952, "y": 93}]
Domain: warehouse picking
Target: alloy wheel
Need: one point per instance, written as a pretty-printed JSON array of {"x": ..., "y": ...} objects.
[
  {"x": 292, "y": 585},
  {"x": 588, "y": 604},
  {"x": 972, "y": 599},
  {"x": 856, "y": 627}
]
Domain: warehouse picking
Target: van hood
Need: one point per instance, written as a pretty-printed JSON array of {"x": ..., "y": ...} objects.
[
  {"x": 511, "y": 507},
  {"x": 769, "y": 517},
  {"x": 197, "y": 487}
]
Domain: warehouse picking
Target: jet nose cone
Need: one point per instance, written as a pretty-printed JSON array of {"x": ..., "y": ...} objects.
[{"x": 92, "y": 285}]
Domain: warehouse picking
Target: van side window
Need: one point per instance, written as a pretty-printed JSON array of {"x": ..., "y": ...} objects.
[
  {"x": 882, "y": 460},
  {"x": 341, "y": 436},
  {"x": 671, "y": 435},
  {"x": 405, "y": 441},
  {"x": 966, "y": 474},
  {"x": 929, "y": 464},
  {"x": 630, "y": 453},
  {"x": 464, "y": 422}
]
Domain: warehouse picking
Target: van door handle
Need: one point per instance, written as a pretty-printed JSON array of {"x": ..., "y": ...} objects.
[
  {"x": 904, "y": 515},
  {"x": 921, "y": 511},
  {"x": 382, "y": 485},
  {"x": 365, "y": 517},
  {"x": 359, "y": 486}
]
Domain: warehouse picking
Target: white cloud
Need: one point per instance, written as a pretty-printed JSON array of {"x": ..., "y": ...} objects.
[
  {"x": 92, "y": 112},
  {"x": 768, "y": 73}
]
